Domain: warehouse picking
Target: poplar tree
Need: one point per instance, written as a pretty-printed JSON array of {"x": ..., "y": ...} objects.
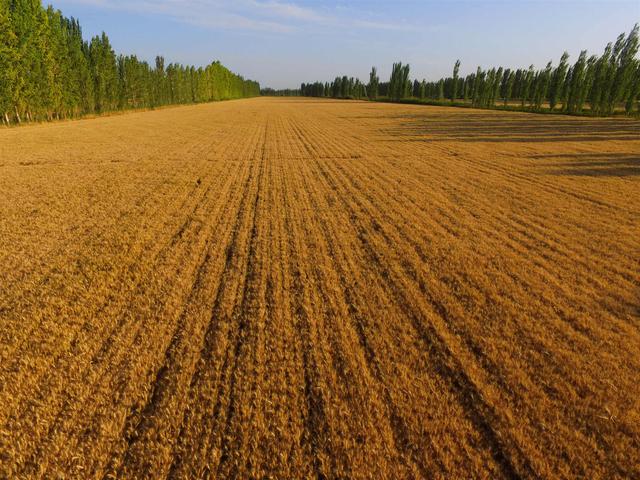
[
  {"x": 33, "y": 82},
  {"x": 466, "y": 87},
  {"x": 503, "y": 83},
  {"x": 634, "y": 91},
  {"x": 336, "y": 86},
  {"x": 542, "y": 86},
  {"x": 58, "y": 63},
  {"x": 602, "y": 67},
  {"x": 105, "y": 73},
  {"x": 577, "y": 77},
  {"x": 557, "y": 81},
  {"x": 509, "y": 87},
  {"x": 399, "y": 84},
  {"x": 454, "y": 90},
  {"x": 526, "y": 86},
  {"x": 610, "y": 75},
  {"x": 8, "y": 63},
  {"x": 394, "y": 82},
  {"x": 374, "y": 83},
  {"x": 160, "y": 83},
  {"x": 405, "y": 82},
  {"x": 625, "y": 63},
  {"x": 497, "y": 83},
  {"x": 345, "y": 91},
  {"x": 79, "y": 94},
  {"x": 487, "y": 93},
  {"x": 477, "y": 79},
  {"x": 415, "y": 89}
]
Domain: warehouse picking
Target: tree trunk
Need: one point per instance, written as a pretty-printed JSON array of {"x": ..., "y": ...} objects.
[{"x": 18, "y": 115}]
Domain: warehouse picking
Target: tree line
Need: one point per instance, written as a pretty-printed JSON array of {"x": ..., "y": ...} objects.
[
  {"x": 47, "y": 71},
  {"x": 341, "y": 87},
  {"x": 602, "y": 84}
]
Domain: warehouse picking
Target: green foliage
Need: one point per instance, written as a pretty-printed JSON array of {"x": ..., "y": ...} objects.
[
  {"x": 374, "y": 84},
  {"x": 634, "y": 90},
  {"x": 48, "y": 71},
  {"x": 478, "y": 81},
  {"x": 574, "y": 102},
  {"x": 456, "y": 70},
  {"x": 605, "y": 83},
  {"x": 8, "y": 62},
  {"x": 557, "y": 82},
  {"x": 625, "y": 70},
  {"x": 541, "y": 86},
  {"x": 33, "y": 90},
  {"x": 399, "y": 84},
  {"x": 441, "y": 90}
]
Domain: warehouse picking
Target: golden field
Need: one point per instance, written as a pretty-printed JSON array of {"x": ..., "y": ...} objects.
[{"x": 289, "y": 288}]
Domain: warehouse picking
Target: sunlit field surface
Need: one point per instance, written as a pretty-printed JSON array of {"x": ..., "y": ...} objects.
[{"x": 289, "y": 288}]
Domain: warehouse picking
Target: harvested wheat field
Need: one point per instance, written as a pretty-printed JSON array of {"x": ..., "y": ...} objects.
[{"x": 288, "y": 288}]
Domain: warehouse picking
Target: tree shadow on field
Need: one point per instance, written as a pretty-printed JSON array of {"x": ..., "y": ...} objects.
[
  {"x": 595, "y": 165},
  {"x": 510, "y": 127}
]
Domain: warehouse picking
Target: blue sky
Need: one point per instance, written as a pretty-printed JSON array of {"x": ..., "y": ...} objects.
[{"x": 282, "y": 43}]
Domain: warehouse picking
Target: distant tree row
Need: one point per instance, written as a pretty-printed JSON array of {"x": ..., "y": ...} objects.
[
  {"x": 602, "y": 84},
  {"x": 286, "y": 92},
  {"x": 47, "y": 70},
  {"x": 341, "y": 87}
]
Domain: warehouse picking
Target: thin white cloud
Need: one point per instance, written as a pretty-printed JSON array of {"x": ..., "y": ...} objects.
[
  {"x": 287, "y": 11},
  {"x": 381, "y": 25},
  {"x": 262, "y": 15}
]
